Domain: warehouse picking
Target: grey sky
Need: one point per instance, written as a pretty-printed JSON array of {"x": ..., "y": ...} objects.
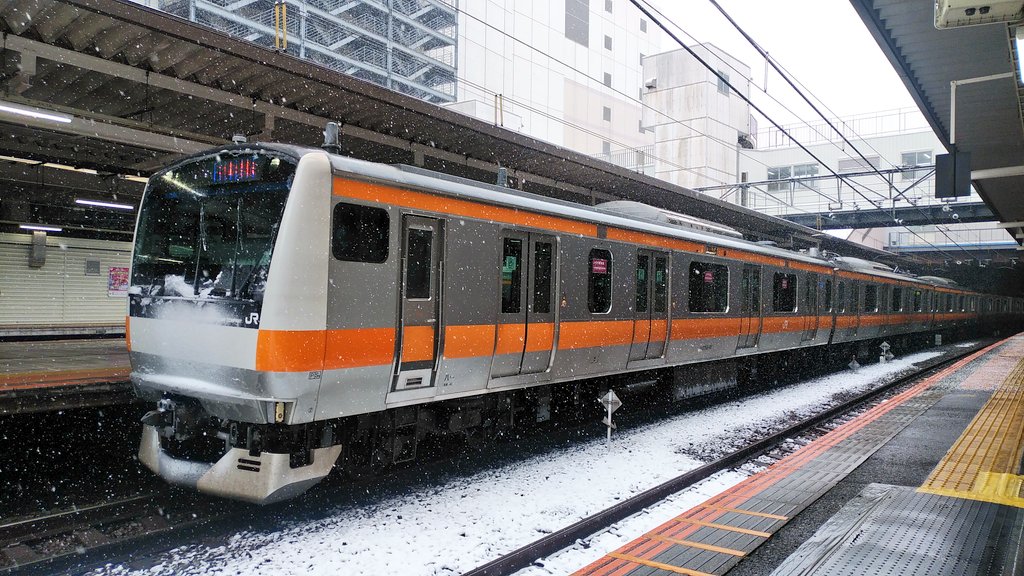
[{"x": 823, "y": 43}]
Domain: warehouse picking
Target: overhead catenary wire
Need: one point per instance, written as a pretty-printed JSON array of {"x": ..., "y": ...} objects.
[
  {"x": 639, "y": 5},
  {"x": 803, "y": 96}
]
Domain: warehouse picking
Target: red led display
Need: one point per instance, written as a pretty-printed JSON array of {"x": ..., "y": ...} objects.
[{"x": 235, "y": 170}]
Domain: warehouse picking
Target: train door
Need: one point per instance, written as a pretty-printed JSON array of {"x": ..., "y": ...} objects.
[
  {"x": 650, "y": 321},
  {"x": 750, "y": 306},
  {"x": 810, "y": 313},
  {"x": 526, "y": 320},
  {"x": 855, "y": 308},
  {"x": 417, "y": 339}
]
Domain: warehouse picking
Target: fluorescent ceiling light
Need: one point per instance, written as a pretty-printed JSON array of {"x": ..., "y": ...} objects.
[
  {"x": 104, "y": 204},
  {"x": 136, "y": 179},
  {"x": 1018, "y": 38},
  {"x": 40, "y": 227},
  {"x": 34, "y": 112}
]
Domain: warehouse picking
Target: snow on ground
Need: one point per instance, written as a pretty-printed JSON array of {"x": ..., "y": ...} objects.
[{"x": 449, "y": 529}]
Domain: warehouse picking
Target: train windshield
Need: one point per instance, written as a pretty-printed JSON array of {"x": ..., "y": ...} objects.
[{"x": 207, "y": 228}]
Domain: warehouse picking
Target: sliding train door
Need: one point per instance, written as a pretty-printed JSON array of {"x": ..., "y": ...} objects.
[
  {"x": 650, "y": 321},
  {"x": 526, "y": 318},
  {"x": 750, "y": 307},
  {"x": 417, "y": 338}
]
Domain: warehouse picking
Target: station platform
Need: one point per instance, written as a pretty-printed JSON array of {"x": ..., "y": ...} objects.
[
  {"x": 927, "y": 482},
  {"x": 40, "y": 376}
]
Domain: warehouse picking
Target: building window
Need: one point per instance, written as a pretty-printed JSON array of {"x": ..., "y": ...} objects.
[
  {"x": 910, "y": 159},
  {"x": 784, "y": 292},
  {"x": 607, "y": 5},
  {"x": 788, "y": 172},
  {"x": 577, "y": 21},
  {"x": 360, "y": 233},
  {"x": 607, "y": 42},
  {"x": 606, "y": 113},
  {"x": 606, "y": 147},
  {"x": 607, "y": 79},
  {"x": 643, "y": 25},
  {"x": 640, "y": 125},
  {"x": 709, "y": 287},
  {"x": 723, "y": 83},
  {"x": 599, "y": 282},
  {"x": 847, "y": 165},
  {"x": 641, "y": 61}
]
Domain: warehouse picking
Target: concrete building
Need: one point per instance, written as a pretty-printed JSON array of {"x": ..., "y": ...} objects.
[
  {"x": 564, "y": 72},
  {"x": 699, "y": 121}
]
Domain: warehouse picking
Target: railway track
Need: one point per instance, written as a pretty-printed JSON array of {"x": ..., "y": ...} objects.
[
  {"x": 35, "y": 541},
  {"x": 774, "y": 447}
]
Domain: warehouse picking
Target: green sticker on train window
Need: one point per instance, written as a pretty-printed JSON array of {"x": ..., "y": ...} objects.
[{"x": 511, "y": 263}]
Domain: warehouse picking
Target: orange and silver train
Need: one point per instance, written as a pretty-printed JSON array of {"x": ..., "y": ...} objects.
[{"x": 292, "y": 309}]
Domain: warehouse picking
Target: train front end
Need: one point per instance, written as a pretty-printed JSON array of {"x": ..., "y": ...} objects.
[{"x": 226, "y": 318}]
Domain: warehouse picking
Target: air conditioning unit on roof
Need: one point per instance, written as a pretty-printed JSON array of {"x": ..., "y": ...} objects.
[{"x": 955, "y": 13}]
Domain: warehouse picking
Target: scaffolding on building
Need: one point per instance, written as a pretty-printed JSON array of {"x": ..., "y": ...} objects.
[{"x": 409, "y": 46}]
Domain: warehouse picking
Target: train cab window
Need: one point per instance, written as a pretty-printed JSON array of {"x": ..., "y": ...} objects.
[
  {"x": 599, "y": 282},
  {"x": 417, "y": 264},
  {"x": 542, "y": 277},
  {"x": 709, "y": 287},
  {"x": 871, "y": 298},
  {"x": 660, "y": 284},
  {"x": 643, "y": 263},
  {"x": 828, "y": 296},
  {"x": 511, "y": 275},
  {"x": 917, "y": 300},
  {"x": 784, "y": 292},
  {"x": 841, "y": 297},
  {"x": 897, "y": 299},
  {"x": 360, "y": 233}
]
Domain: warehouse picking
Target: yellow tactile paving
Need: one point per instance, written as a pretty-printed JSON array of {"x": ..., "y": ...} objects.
[{"x": 984, "y": 463}]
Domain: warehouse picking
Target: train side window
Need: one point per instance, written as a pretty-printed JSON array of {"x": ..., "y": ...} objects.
[
  {"x": 784, "y": 292},
  {"x": 949, "y": 302},
  {"x": 660, "y": 284},
  {"x": 897, "y": 299},
  {"x": 417, "y": 263},
  {"x": 828, "y": 296},
  {"x": 642, "y": 273},
  {"x": 841, "y": 298},
  {"x": 360, "y": 233},
  {"x": 871, "y": 298},
  {"x": 854, "y": 297},
  {"x": 599, "y": 282},
  {"x": 511, "y": 275},
  {"x": 962, "y": 307},
  {"x": 917, "y": 300},
  {"x": 709, "y": 287},
  {"x": 542, "y": 277}
]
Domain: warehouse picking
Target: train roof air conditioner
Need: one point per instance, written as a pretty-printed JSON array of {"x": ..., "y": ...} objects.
[{"x": 955, "y": 13}]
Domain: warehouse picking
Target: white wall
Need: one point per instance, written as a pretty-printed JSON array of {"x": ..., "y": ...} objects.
[
  {"x": 696, "y": 125},
  {"x": 554, "y": 87}
]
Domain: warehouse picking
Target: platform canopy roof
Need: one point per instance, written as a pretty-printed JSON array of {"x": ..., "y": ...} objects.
[{"x": 981, "y": 60}]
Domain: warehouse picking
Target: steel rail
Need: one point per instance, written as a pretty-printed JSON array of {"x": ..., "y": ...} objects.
[{"x": 560, "y": 539}]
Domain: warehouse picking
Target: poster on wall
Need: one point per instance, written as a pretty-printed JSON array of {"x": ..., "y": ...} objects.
[{"x": 117, "y": 281}]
